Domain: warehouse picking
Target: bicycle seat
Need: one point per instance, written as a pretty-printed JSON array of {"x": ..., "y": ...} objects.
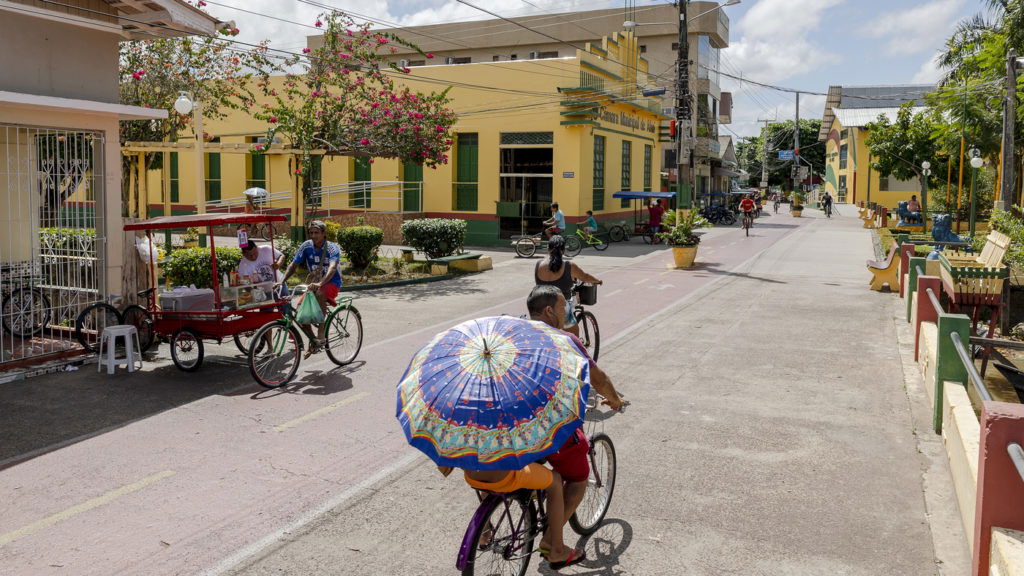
[{"x": 145, "y": 293}]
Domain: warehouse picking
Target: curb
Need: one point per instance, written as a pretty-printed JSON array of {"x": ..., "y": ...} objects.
[{"x": 424, "y": 280}]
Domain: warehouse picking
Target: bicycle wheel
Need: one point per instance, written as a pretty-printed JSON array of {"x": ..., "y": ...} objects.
[
  {"x": 648, "y": 236},
  {"x": 26, "y": 311},
  {"x": 243, "y": 340},
  {"x": 187, "y": 350},
  {"x": 600, "y": 244},
  {"x": 343, "y": 334},
  {"x": 139, "y": 317},
  {"x": 267, "y": 231},
  {"x": 573, "y": 246},
  {"x": 728, "y": 218},
  {"x": 746, "y": 225},
  {"x": 590, "y": 334},
  {"x": 525, "y": 247},
  {"x": 92, "y": 321},
  {"x": 511, "y": 521},
  {"x": 600, "y": 486},
  {"x": 275, "y": 366},
  {"x": 616, "y": 234}
]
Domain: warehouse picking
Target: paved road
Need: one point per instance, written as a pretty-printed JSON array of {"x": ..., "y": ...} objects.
[{"x": 758, "y": 443}]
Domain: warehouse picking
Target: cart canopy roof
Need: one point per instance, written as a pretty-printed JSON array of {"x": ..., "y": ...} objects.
[
  {"x": 628, "y": 195},
  {"x": 202, "y": 220}
]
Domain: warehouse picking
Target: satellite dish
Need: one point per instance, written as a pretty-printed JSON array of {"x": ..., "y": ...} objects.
[{"x": 255, "y": 192}]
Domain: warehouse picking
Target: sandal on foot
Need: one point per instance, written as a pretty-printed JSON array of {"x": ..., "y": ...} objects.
[
  {"x": 543, "y": 551},
  {"x": 486, "y": 539},
  {"x": 575, "y": 557},
  {"x": 314, "y": 347}
]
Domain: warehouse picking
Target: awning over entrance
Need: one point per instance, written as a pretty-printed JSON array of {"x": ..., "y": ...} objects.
[{"x": 627, "y": 195}]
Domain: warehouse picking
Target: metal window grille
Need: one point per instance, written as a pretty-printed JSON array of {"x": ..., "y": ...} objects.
[
  {"x": 527, "y": 138},
  {"x": 598, "y": 198},
  {"x": 51, "y": 245},
  {"x": 627, "y": 173}
]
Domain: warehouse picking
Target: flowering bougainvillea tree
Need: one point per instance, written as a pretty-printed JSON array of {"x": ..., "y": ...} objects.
[{"x": 346, "y": 102}]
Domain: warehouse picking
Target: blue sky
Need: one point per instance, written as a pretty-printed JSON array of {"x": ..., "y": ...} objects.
[{"x": 801, "y": 44}]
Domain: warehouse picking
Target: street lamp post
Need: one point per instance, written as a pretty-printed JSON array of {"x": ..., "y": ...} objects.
[
  {"x": 926, "y": 171},
  {"x": 976, "y": 162},
  {"x": 183, "y": 105}
]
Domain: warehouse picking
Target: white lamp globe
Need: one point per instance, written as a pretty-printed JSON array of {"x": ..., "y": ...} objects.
[
  {"x": 977, "y": 162},
  {"x": 183, "y": 105},
  {"x": 926, "y": 164}
]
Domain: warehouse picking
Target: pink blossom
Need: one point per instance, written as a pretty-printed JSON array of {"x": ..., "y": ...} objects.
[
  {"x": 364, "y": 141},
  {"x": 430, "y": 55},
  {"x": 272, "y": 120},
  {"x": 319, "y": 23},
  {"x": 305, "y": 50},
  {"x": 440, "y": 128}
]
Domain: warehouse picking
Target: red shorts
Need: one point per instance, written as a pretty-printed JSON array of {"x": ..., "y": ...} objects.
[
  {"x": 330, "y": 291},
  {"x": 554, "y": 230},
  {"x": 571, "y": 460}
]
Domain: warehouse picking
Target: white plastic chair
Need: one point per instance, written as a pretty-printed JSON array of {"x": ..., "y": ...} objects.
[{"x": 108, "y": 342}]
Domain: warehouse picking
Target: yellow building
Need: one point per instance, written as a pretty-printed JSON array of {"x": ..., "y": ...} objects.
[
  {"x": 571, "y": 130},
  {"x": 848, "y": 173}
]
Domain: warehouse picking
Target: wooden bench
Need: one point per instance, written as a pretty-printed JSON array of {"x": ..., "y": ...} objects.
[
  {"x": 407, "y": 253},
  {"x": 884, "y": 272},
  {"x": 976, "y": 279},
  {"x": 868, "y": 218}
]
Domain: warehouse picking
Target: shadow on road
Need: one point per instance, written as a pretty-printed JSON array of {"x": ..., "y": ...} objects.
[
  {"x": 712, "y": 268},
  {"x": 603, "y": 548},
  {"x": 43, "y": 414}
]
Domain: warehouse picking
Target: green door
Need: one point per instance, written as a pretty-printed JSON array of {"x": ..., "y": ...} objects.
[{"x": 412, "y": 178}]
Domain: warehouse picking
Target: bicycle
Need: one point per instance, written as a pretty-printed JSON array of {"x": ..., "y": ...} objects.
[
  {"x": 276, "y": 348},
  {"x": 25, "y": 309},
  {"x": 775, "y": 205},
  {"x": 748, "y": 221},
  {"x": 91, "y": 322},
  {"x": 590, "y": 333},
  {"x": 514, "y": 520},
  {"x": 828, "y": 210},
  {"x": 526, "y": 246},
  {"x": 581, "y": 239}
]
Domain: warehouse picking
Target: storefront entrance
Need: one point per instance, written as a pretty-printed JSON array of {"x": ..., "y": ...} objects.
[{"x": 526, "y": 181}]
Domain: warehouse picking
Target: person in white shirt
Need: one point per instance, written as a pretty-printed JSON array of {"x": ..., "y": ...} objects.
[{"x": 260, "y": 263}]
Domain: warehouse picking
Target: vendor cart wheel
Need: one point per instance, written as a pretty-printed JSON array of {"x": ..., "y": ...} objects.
[
  {"x": 243, "y": 340},
  {"x": 139, "y": 317},
  {"x": 573, "y": 246},
  {"x": 187, "y": 350},
  {"x": 616, "y": 233},
  {"x": 274, "y": 355},
  {"x": 526, "y": 248},
  {"x": 343, "y": 334},
  {"x": 91, "y": 323}
]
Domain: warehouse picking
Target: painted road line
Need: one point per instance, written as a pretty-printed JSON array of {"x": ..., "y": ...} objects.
[
  {"x": 613, "y": 293},
  {"x": 641, "y": 281},
  {"x": 669, "y": 271},
  {"x": 83, "y": 507},
  {"x": 318, "y": 413}
]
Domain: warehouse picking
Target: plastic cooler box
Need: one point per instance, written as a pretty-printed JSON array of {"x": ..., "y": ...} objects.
[{"x": 188, "y": 300}]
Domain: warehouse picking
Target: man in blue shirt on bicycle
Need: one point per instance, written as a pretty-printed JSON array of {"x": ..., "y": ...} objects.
[
  {"x": 322, "y": 259},
  {"x": 555, "y": 224}
]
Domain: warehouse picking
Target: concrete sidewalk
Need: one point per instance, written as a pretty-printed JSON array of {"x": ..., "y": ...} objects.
[{"x": 770, "y": 433}]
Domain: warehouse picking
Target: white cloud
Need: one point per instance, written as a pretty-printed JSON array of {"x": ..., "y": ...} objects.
[
  {"x": 773, "y": 39},
  {"x": 929, "y": 73},
  {"x": 916, "y": 30}
]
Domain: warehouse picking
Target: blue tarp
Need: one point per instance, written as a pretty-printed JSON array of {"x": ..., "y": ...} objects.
[{"x": 628, "y": 195}]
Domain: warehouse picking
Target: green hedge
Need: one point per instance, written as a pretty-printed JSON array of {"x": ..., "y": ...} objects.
[
  {"x": 188, "y": 266},
  {"x": 62, "y": 239},
  {"x": 436, "y": 237},
  {"x": 360, "y": 244}
]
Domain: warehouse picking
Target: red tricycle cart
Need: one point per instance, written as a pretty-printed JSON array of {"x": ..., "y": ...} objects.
[{"x": 187, "y": 316}]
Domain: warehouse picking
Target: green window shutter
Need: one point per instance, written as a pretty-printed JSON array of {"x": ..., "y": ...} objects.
[
  {"x": 627, "y": 169},
  {"x": 174, "y": 177},
  {"x": 361, "y": 195},
  {"x": 467, "y": 169},
  {"x": 598, "y": 194},
  {"x": 256, "y": 167},
  {"x": 212, "y": 177},
  {"x": 647, "y": 167},
  {"x": 412, "y": 178}
]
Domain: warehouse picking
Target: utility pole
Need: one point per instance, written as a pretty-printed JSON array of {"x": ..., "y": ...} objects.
[
  {"x": 764, "y": 157},
  {"x": 796, "y": 148},
  {"x": 1006, "y": 163},
  {"x": 683, "y": 110}
]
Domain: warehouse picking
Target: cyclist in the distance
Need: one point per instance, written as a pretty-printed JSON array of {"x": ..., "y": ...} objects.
[
  {"x": 826, "y": 204},
  {"x": 590, "y": 225},
  {"x": 554, "y": 270},
  {"x": 323, "y": 260},
  {"x": 555, "y": 224},
  {"x": 747, "y": 208}
]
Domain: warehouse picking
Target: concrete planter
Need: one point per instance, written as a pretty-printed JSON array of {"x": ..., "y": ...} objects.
[
  {"x": 684, "y": 256},
  {"x": 796, "y": 212}
]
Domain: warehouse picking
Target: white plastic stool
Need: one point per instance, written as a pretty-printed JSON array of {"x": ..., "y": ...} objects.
[{"x": 108, "y": 340}]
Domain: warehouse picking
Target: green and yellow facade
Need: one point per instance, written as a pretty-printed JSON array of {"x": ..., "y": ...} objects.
[{"x": 569, "y": 130}]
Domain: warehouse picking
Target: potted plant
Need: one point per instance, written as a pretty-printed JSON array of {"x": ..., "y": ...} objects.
[
  {"x": 682, "y": 237},
  {"x": 797, "y": 207},
  {"x": 190, "y": 238}
]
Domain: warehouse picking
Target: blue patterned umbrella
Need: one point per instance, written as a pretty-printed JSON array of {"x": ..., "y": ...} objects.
[{"x": 493, "y": 394}]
